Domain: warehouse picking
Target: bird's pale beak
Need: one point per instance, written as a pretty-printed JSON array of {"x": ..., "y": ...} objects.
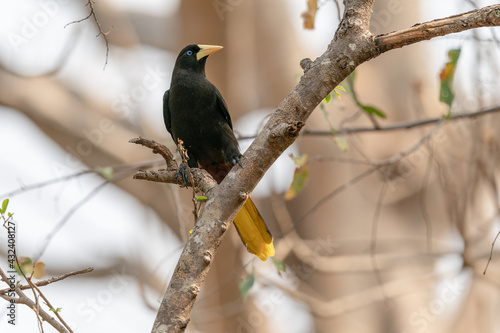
[{"x": 206, "y": 50}]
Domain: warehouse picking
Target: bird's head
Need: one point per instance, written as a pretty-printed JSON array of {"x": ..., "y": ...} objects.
[{"x": 194, "y": 56}]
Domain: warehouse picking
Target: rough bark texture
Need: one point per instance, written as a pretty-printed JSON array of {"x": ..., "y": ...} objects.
[{"x": 352, "y": 45}]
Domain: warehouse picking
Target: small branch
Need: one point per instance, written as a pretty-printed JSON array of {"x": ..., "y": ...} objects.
[
  {"x": 483, "y": 17},
  {"x": 373, "y": 240},
  {"x": 115, "y": 169},
  {"x": 157, "y": 149},
  {"x": 92, "y": 13},
  {"x": 404, "y": 125},
  {"x": 51, "y": 280},
  {"x": 23, "y": 299},
  {"x": 201, "y": 178},
  {"x": 65, "y": 219},
  {"x": 47, "y": 302},
  {"x": 376, "y": 165},
  {"x": 185, "y": 157},
  {"x": 491, "y": 252}
]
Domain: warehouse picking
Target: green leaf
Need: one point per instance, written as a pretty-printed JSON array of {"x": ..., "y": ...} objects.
[
  {"x": 280, "y": 265},
  {"x": 446, "y": 77},
  {"x": 446, "y": 94},
  {"x": 339, "y": 87},
  {"x": 5, "y": 203},
  {"x": 300, "y": 177},
  {"x": 245, "y": 285},
  {"x": 106, "y": 172},
  {"x": 328, "y": 98},
  {"x": 55, "y": 310},
  {"x": 372, "y": 110},
  {"x": 201, "y": 198}
]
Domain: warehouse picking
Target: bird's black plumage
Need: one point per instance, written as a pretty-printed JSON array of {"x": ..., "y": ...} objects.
[{"x": 195, "y": 112}]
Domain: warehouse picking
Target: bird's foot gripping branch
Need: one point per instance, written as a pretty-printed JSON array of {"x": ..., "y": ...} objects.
[
  {"x": 202, "y": 179},
  {"x": 250, "y": 225}
]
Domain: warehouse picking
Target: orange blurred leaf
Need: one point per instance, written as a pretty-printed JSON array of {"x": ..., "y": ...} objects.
[
  {"x": 27, "y": 267},
  {"x": 310, "y": 14}
]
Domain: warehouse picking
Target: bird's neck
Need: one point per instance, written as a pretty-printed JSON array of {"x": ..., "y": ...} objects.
[{"x": 186, "y": 76}]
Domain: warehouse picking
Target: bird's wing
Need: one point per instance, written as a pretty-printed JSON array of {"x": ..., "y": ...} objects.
[
  {"x": 166, "y": 113},
  {"x": 223, "y": 107}
]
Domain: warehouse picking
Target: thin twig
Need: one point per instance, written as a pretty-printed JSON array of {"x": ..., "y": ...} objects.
[
  {"x": 423, "y": 203},
  {"x": 185, "y": 157},
  {"x": 92, "y": 13},
  {"x": 331, "y": 195},
  {"x": 377, "y": 165},
  {"x": 23, "y": 299},
  {"x": 44, "y": 183},
  {"x": 65, "y": 219},
  {"x": 491, "y": 252},
  {"x": 47, "y": 302},
  {"x": 404, "y": 125},
  {"x": 51, "y": 280},
  {"x": 178, "y": 212},
  {"x": 373, "y": 240},
  {"x": 116, "y": 168},
  {"x": 157, "y": 149}
]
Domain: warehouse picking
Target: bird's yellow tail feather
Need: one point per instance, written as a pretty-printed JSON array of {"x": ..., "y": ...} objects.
[{"x": 253, "y": 231}]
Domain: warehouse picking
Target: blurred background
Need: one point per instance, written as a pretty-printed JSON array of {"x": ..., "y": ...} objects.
[{"x": 397, "y": 248}]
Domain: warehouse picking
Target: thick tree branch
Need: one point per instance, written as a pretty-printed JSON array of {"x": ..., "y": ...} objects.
[{"x": 352, "y": 45}]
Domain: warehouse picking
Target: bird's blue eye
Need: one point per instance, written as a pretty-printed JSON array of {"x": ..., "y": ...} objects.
[{"x": 189, "y": 52}]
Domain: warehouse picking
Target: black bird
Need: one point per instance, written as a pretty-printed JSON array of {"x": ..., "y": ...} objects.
[{"x": 195, "y": 112}]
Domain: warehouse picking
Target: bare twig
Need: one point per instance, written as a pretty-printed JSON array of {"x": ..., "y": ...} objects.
[
  {"x": 373, "y": 239},
  {"x": 201, "y": 178},
  {"x": 491, "y": 252},
  {"x": 92, "y": 13},
  {"x": 185, "y": 157},
  {"x": 157, "y": 149},
  {"x": 65, "y": 219},
  {"x": 404, "y": 125},
  {"x": 23, "y": 299},
  {"x": 47, "y": 302},
  {"x": 51, "y": 280},
  {"x": 116, "y": 168},
  {"x": 423, "y": 202}
]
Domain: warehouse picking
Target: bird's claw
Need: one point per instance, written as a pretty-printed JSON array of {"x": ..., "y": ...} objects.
[
  {"x": 235, "y": 159},
  {"x": 183, "y": 171}
]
